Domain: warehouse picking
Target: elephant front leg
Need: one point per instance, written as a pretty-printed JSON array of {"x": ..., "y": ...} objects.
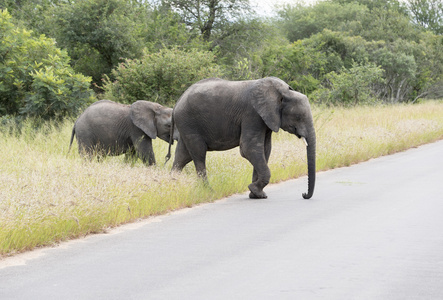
[
  {"x": 131, "y": 156},
  {"x": 255, "y": 153},
  {"x": 267, "y": 149},
  {"x": 145, "y": 151},
  {"x": 257, "y": 186}
]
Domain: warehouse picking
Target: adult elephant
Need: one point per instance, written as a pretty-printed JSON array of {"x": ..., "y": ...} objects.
[
  {"x": 216, "y": 114},
  {"x": 109, "y": 128}
]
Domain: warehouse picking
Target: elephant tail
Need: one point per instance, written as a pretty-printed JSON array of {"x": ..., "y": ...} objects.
[
  {"x": 171, "y": 139},
  {"x": 72, "y": 139}
]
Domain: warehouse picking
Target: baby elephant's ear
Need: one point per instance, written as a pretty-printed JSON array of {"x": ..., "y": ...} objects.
[
  {"x": 266, "y": 100},
  {"x": 143, "y": 116}
]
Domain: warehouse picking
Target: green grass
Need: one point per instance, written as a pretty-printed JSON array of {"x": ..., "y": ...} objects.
[{"x": 48, "y": 196}]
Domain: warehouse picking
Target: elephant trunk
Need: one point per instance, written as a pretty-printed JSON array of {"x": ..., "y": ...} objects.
[
  {"x": 171, "y": 139},
  {"x": 310, "y": 149}
]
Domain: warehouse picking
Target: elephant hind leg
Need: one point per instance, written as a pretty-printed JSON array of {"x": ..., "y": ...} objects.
[
  {"x": 87, "y": 152},
  {"x": 182, "y": 156},
  {"x": 196, "y": 149}
]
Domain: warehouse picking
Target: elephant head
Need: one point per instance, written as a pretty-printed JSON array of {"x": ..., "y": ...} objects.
[
  {"x": 282, "y": 107},
  {"x": 153, "y": 118}
]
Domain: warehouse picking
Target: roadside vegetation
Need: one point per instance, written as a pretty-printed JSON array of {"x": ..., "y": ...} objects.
[
  {"x": 48, "y": 196},
  {"x": 370, "y": 68}
]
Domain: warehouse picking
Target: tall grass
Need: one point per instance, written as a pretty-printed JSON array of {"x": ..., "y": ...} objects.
[{"x": 47, "y": 195}]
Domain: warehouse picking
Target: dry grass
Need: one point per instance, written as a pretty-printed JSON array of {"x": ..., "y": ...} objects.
[{"x": 48, "y": 196}]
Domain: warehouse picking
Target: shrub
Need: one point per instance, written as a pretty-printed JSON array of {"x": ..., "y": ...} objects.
[
  {"x": 353, "y": 86},
  {"x": 35, "y": 77},
  {"x": 160, "y": 77}
]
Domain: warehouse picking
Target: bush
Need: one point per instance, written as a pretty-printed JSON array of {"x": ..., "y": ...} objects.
[
  {"x": 160, "y": 77},
  {"x": 353, "y": 86},
  {"x": 35, "y": 77}
]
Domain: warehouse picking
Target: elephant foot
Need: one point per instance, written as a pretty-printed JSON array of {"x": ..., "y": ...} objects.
[
  {"x": 256, "y": 193},
  {"x": 253, "y": 196}
]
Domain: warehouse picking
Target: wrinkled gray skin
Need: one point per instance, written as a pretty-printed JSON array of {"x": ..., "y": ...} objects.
[
  {"x": 216, "y": 115},
  {"x": 109, "y": 128}
]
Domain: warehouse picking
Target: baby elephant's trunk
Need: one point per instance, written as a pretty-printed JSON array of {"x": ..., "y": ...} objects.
[{"x": 171, "y": 139}]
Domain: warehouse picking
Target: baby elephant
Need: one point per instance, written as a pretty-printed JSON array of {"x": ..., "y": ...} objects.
[{"x": 109, "y": 128}]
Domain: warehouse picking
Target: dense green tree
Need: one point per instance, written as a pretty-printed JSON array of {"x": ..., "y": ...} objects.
[
  {"x": 351, "y": 86},
  {"x": 297, "y": 64},
  {"x": 35, "y": 76},
  {"x": 427, "y": 14},
  {"x": 32, "y": 14},
  {"x": 313, "y": 47},
  {"x": 387, "y": 25},
  {"x": 340, "y": 33},
  {"x": 299, "y": 21},
  {"x": 160, "y": 28},
  {"x": 429, "y": 57},
  {"x": 97, "y": 34},
  {"x": 389, "y": 5},
  {"x": 246, "y": 39}
]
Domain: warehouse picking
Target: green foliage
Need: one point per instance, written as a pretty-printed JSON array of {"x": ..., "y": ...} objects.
[
  {"x": 299, "y": 21},
  {"x": 161, "y": 28},
  {"x": 428, "y": 14},
  {"x": 208, "y": 16},
  {"x": 31, "y": 14},
  {"x": 298, "y": 65},
  {"x": 100, "y": 34},
  {"x": 35, "y": 76},
  {"x": 161, "y": 76},
  {"x": 339, "y": 33},
  {"x": 304, "y": 45},
  {"x": 356, "y": 85},
  {"x": 387, "y": 25},
  {"x": 238, "y": 41},
  {"x": 338, "y": 48},
  {"x": 388, "y": 5},
  {"x": 429, "y": 58},
  {"x": 97, "y": 34}
]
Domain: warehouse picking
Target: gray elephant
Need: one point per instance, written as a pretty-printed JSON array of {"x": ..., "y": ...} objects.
[
  {"x": 215, "y": 115},
  {"x": 109, "y": 128}
]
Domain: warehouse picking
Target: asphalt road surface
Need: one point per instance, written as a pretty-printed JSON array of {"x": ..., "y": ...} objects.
[{"x": 371, "y": 231}]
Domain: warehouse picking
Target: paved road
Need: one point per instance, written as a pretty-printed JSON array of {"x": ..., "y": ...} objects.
[{"x": 371, "y": 231}]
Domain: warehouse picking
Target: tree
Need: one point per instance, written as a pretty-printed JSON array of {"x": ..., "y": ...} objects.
[
  {"x": 299, "y": 21},
  {"x": 429, "y": 57},
  {"x": 35, "y": 77},
  {"x": 427, "y": 14},
  {"x": 160, "y": 28},
  {"x": 391, "y": 5},
  {"x": 209, "y": 15},
  {"x": 356, "y": 85},
  {"x": 97, "y": 34},
  {"x": 32, "y": 14}
]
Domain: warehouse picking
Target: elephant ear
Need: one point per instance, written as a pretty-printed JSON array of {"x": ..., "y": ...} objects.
[
  {"x": 267, "y": 101},
  {"x": 143, "y": 116}
]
